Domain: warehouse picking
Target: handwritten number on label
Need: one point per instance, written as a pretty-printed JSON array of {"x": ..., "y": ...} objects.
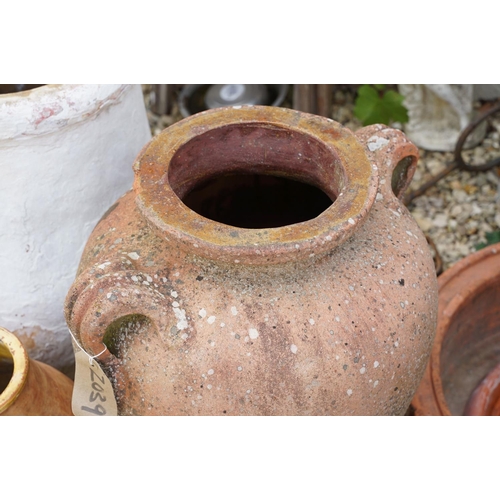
[
  {"x": 98, "y": 410},
  {"x": 97, "y": 387},
  {"x": 94, "y": 374},
  {"x": 96, "y": 393},
  {"x": 93, "y": 393}
]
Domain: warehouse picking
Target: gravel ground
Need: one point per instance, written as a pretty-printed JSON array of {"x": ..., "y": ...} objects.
[{"x": 456, "y": 213}]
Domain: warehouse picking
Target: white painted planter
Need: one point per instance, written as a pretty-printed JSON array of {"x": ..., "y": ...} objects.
[
  {"x": 438, "y": 113},
  {"x": 66, "y": 154}
]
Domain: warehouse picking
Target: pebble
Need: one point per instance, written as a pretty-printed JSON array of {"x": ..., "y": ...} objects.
[{"x": 441, "y": 220}]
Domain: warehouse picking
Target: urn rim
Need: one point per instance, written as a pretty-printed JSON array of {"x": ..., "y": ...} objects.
[{"x": 341, "y": 152}]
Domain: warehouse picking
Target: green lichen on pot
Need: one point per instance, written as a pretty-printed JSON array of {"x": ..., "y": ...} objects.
[{"x": 117, "y": 331}]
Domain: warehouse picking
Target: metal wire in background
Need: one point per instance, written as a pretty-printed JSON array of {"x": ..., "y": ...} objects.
[{"x": 457, "y": 162}]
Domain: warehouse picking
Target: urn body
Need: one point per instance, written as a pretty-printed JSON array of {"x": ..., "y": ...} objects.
[{"x": 207, "y": 311}]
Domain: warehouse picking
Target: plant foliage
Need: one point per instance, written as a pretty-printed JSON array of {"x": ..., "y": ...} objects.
[
  {"x": 374, "y": 104},
  {"x": 491, "y": 238}
]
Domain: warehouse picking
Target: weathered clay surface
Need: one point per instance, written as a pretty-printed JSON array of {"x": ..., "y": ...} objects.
[
  {"x": 33, "y": 388},
  {"x": 467, "y": 344},
  {"x": 331, "y": 316},
  {"x": 485, "y": 399}
]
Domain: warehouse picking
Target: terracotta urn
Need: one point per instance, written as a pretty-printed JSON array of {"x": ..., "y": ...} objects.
[
  {"x": 262, "y": 265},
  {"x": 463, "y": 376},
  {"x": 29, "y": 387}
]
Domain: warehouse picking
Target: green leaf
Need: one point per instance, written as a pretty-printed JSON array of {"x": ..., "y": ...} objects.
[
  {"x": 491, "y": 239},
  {"x": 378, "y": 86},
  {"x": 372, "y": 107},
  {"x": 366, "y": 100},
  {"x": 394, "y": 103},
  {"x": 367, "y": 105}
]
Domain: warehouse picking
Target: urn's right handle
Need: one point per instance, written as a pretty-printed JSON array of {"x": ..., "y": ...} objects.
[{"x": 393, "y": 154}]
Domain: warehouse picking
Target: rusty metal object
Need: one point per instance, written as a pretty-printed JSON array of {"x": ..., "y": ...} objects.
[
  {"x": 488, "y": 110},
  {"x": 427, "y": 185},
  {"x": 467, "y": 344},
  {"x": 163, "y": 98},
  {"x": 29, "y": 387},
  {"x": 458, "y": 161},
  {"x": 438, "y": 261},
  {"x": 311, "y": 98},
  {"x": 332, "y": 315},
  {"x": 303, "y": 97},
  {"x": 324, "y": 100}
]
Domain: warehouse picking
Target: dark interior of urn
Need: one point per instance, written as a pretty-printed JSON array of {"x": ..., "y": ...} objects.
[
  {"x": 6, "y": 369},
  {"x": 11, "y": 88},
  {"x": 257, "y": 201},
  {"x": 471, "y": 347},
  {"x": 256, "y": 176}
]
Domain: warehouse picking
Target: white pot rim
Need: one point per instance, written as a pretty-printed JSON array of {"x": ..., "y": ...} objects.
[{"x": 49, "y": 108}]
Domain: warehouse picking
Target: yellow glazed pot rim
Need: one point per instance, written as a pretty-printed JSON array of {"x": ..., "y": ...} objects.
[{"x": 11, "y": 347}]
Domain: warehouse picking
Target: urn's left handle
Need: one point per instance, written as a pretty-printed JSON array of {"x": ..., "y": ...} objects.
[{"x": 92, "y": 309}]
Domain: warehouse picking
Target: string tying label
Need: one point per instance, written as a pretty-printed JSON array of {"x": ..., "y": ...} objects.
[{"x": 93, "y": 393}]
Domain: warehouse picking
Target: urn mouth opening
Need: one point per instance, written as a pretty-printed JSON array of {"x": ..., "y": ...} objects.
[
  {"x": 254, "y": 176},
  {"x": 186, "y": 175},
  {"x": 13, "y": 368},
  {"x": 254, "y": 201}
]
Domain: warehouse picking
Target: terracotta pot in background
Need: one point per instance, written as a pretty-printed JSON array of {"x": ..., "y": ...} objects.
[
  {"x": 467, "y": 344},
  {"x": 29, "y": 387},
  {"x": 228, "y": 283},
  {"x": 485, "y": 400},
  {"x": 65, "y": 156}
]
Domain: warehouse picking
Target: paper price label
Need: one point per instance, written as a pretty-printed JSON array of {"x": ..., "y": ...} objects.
[{"x": 92, "y": 393}]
